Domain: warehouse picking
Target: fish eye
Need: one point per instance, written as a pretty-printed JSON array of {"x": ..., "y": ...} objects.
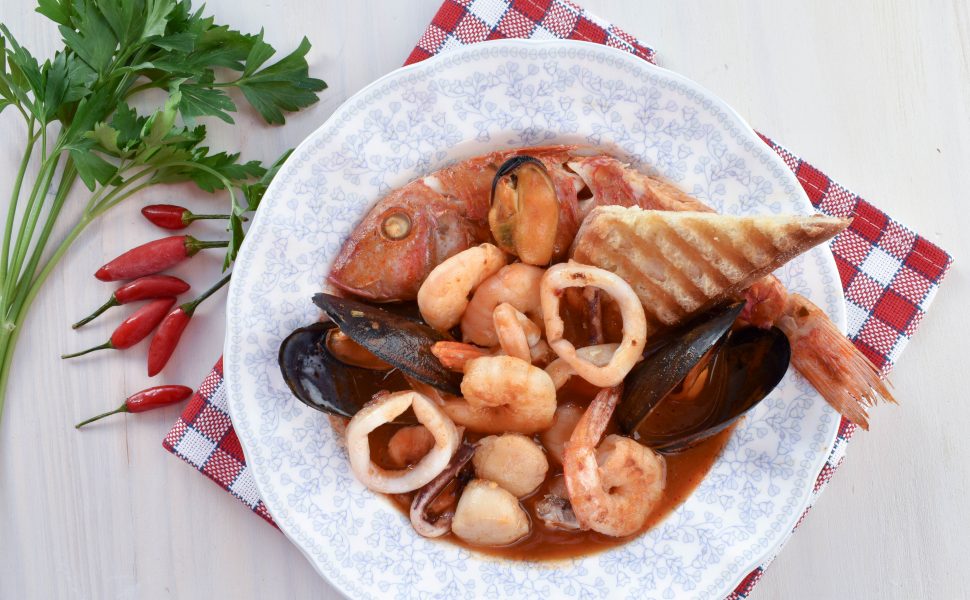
[{"x": 396, "y": 226}]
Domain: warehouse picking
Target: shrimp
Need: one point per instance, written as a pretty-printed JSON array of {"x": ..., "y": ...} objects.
[
  {"x": 765, "y": 302},
  {"x": 455, "y": 355},
  {"x": 503, "y": 394},
  {"x": 820, "y": 352},
  {"x": 517, "y": 284},
  {"x": 443, "y": 296},
  {"x": 516, "y": 333},
  {"x": 384, "y": 408},
  {"x": 612, "y": 488},
  {"x": 573, "y": 274}
]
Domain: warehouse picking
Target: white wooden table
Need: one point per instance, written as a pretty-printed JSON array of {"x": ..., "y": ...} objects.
[{"x": 876, "y": 93}]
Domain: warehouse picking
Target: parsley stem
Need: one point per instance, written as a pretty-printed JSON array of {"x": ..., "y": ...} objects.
[
  {"x": 99, "y": 193},
  {"x": 214, "y": 173},
  {"x": 157, "y": 83},
  {"x": 14, "y": 197},
  {"x": 68, "y": 177},
  {"x": 113, "y": 199},
  {"x": 27, "y": 223},
  {"x": 101, "y": 202}
]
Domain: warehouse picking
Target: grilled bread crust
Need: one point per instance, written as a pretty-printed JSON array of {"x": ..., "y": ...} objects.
[{"x": 680, "y": 263}]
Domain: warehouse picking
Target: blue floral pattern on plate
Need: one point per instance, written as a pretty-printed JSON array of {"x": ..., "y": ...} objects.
[{"x": 412, "y": 121}]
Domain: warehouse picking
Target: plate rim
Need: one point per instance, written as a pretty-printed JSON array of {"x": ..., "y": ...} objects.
[{"x": 827, "y": 257}]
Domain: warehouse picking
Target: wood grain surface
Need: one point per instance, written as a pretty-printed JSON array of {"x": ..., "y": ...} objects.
[{"x": 876, "y": 93}]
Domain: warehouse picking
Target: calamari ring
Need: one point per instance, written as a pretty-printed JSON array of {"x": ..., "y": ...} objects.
[
  {"x": 384, "y": 409},
  {"x": 573, "y": 274},
  {"x": 599, "y": 355}
]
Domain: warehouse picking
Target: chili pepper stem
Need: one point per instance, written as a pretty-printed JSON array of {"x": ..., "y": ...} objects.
[
  {"x": 105, "y": 346},
  {"x": 194, "y": 217},
  {"x": 120, "y": 409},
  {"x": 111, "y": 302},
  {"x": 189, "y": 307},
  {"x": 193, "y": 246}
]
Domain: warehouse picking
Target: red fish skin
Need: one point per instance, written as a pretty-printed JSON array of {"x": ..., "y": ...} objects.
[
  {"x": 448, "y": 210},
  {"x": 613, "y": 182}
]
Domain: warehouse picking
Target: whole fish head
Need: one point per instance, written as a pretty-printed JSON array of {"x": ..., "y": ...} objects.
[{"x": 399, "y": 242}]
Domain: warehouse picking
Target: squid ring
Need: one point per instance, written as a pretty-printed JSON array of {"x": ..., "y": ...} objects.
[
  {"x": 383, "y": 409},
  {"x": 573, "y": 274}
]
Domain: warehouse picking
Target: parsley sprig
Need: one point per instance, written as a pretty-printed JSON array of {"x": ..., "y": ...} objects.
[{"x": 80, "y": 124}]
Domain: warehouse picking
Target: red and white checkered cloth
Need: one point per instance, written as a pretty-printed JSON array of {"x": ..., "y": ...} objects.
[{"x": 889, "y": 274}]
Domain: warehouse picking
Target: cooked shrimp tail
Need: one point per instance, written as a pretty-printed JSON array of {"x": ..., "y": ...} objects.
[
  {"x": 454, "y": 355},
  {"x": 516, "y": 333},
  {"x": 831, "y": 363}
]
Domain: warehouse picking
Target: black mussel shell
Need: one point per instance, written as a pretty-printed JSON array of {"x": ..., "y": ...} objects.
[
  {"x": 324, "y": 383},
  {"x": 747, "y": 366},
  {"x": 404, "y": 343},
  {"x": 512, "y": 165},
  {"x": 666, "y": 366}
]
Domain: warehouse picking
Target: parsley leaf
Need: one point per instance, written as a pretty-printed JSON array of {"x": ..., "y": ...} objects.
[
  {"x": 200, "y": 99},
  {"x": 58, "y": 11},
  {"x": 90, "y": 166},
  {"x": 90, "y": 36},
  {"x": 284, "y": 86}
]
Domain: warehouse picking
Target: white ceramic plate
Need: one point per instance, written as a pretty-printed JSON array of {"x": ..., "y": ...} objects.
[{"x": 417, "y": 119}]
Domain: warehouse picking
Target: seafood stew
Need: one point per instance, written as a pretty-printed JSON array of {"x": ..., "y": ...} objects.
[{"x": 586, "y": 338}]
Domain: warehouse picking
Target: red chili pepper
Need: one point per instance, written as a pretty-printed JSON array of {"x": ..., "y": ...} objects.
[
  {"x": 171, "y": 216},
  {"x": 153, "y": 257},
  {"x": 143, "y": 288},
  {"x": 170, "y": 331},
  {"x": 135, "y": 328},
  {"x": 149, "y": 399}
]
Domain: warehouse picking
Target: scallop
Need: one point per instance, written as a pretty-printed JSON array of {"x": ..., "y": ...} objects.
[
  {"x": 488, "y": 515},
  {"x": 513, "y": 461}
]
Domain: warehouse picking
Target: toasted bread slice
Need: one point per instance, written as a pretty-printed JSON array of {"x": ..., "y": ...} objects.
[{"x": 682, "y": 262}]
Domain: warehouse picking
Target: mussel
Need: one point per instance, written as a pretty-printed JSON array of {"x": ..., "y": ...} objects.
[
  {"x": 337, "y": 367},
  {"x": 699, "y": 383},
  {"x": 324, "y": 382},
  {"x": 403, "y": 342},
  {"x": 524, "y": 214}
]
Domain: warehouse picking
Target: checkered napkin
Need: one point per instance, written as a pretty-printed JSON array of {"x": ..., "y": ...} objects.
[{"x": 889, "y": 273}]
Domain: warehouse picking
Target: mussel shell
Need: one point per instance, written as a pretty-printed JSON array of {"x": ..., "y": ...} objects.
[
  {"x": 667, "y": 365},
  {"x": 512, "y": 165},
  {"x": 402, "y": 342},
  {"x": 524, "y": 210},
  {"x": 324, "y": 383},
  {"x": 748, "y": 366}
]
